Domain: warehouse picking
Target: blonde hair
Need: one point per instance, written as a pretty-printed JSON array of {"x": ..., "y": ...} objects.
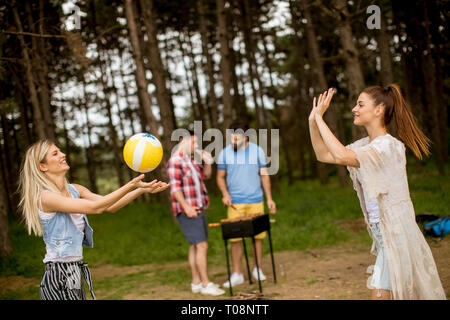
[{"x": 31, "y": 184}]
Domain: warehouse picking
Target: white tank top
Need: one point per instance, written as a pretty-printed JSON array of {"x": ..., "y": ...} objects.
[{"x": 371, "y": 207}]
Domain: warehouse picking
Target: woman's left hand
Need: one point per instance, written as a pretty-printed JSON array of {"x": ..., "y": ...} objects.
[
  {"x": 324, "y": 102},
  {"x": 155, "y": 187}
]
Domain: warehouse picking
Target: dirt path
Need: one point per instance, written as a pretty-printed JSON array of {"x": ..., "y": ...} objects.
[{"x": 330, "y": 273}]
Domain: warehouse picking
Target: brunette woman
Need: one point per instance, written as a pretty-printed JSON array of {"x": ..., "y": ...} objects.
[{"x": 404, "y": 268}]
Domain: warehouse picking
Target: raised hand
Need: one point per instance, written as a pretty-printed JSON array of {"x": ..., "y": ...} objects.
[
  {"x": 323, "y": 102},
  {"x": 313, "y": 111},
  {"x": 207, "y": 157}
]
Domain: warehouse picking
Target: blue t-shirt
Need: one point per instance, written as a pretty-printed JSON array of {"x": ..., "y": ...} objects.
[{"x": 242, "y": 167}]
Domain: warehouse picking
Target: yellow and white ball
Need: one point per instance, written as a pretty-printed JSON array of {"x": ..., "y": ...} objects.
[{"x": 142, "y": 152}]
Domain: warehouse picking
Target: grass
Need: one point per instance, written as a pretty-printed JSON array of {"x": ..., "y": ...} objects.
[{"x": 144, "y": 233}]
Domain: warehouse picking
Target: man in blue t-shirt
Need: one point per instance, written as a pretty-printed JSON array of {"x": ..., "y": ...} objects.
[{"x": 244, "y": 165}]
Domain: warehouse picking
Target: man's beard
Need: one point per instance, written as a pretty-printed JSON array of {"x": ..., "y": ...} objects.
[{"x": 236, "y": 147}]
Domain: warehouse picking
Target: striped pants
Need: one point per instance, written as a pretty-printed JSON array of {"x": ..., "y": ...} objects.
[{"x": 64, "y": 281}]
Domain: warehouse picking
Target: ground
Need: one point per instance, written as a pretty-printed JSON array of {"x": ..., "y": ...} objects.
[{"x": 328, "y": 273}]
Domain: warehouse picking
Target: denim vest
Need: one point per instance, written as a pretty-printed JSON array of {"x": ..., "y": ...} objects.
[{"x": 61, "y": 234}]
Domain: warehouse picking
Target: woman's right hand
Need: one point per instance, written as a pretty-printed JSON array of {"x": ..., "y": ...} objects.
[
  {"x": 138, "y": 183},
  {"x": 324, "y": 102},
  {"x": 312, "y": 115}
]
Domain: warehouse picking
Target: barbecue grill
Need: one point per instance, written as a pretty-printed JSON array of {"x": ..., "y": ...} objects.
[{"x": 246, "y": 227}]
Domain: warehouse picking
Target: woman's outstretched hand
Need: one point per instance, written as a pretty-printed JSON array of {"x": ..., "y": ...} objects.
[
  {"x": 148, "y": 187},
  {"x": 322, "y": 103},
  {"x": 155, "y": 187}
]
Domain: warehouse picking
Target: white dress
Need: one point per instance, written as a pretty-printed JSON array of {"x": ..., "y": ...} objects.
[{"x": 382, "y": 175}]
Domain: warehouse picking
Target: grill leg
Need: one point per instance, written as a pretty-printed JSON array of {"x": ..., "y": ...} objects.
[
  {"x": 256, "y": 262},
  {"x": 246, "y": 260},
  {"x": 271, "y": 256},
  {"x": 228, "y": 265}
]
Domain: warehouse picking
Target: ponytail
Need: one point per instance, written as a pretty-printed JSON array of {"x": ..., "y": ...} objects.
[{"x": 405, "y": 123}]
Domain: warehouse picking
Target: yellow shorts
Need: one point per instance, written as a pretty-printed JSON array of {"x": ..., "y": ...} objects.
[{"x": 246, "y": 209}]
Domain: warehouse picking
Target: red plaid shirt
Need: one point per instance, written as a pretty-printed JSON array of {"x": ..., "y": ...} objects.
[{"x": 180, "y": 178}]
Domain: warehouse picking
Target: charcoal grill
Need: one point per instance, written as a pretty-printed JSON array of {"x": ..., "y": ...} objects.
[{"x": 247, "y": 229}]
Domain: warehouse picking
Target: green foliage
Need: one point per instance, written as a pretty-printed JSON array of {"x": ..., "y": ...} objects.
[{"x": 142, "y": 233}]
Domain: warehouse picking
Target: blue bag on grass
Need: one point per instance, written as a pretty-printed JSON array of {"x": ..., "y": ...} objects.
[{"x": 438, "y": 228}]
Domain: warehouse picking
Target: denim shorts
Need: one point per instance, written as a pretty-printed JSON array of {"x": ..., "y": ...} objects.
[
  {"x": 380, "y": 276},
  {"x": 195, "y": 230}
]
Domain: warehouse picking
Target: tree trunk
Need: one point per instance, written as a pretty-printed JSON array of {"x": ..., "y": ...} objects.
[
  {"x": 38, "y": 119},
  {"x": 315, "y": 58},
  {"x": 353, "y": 69},
  {"x": 141, "y": 80},
  {"x": 67, "y": 149},
  {"x": 277, "y": 112},
  {"x": 201, "y": 106},
  {"x": 24, "y": 120},
  {"x": 42, "y": 76},
  {"x": 159, "y": 76},
  {"x": 5, "y": 240},
  {"x": 112, "y": 129},
  {"x": 129, "y": 111},
  {"x": 249, "y": 53},
  {"x": 225, "y": 65},
  {"x": 89, "y": 151},
  {"x": 386, "y": 72},
  {"x": 239, "y": 109},
  {"x": 5, "y": 169},
  {"x": 196, "y": 113},
  {"x": 302, "y": 100},
  {"x": 437, "y": 54},
  {"x": 213, "y": 104},
  {"x": 40, "y": 69}
]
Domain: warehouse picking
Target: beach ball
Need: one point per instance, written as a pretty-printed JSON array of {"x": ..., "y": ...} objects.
[{"x": 142, "y": 152}]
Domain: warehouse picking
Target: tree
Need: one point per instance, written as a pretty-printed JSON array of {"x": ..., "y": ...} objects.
[
  {"x": 158, "y": 73},
  {"x": 316, "y": 61},
  {"x": 353, "y": 72},
  {"x": 141, "y": 80},
  {"x": 38, "y": 118},
  {"x": 225, "y": 65}
]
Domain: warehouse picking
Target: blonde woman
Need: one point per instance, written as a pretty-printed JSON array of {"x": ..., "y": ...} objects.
[
  {"x": 404, "y": 268},
  {"x": 57, "y": 210}
]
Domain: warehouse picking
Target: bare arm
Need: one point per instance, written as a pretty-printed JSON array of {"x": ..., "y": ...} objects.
[
  {"x": 265, "y": 181},
  {"x": 52, "y": 201},
  {"x": 339, "y": 153},
  {"x": 222, "y": 184},
  {"x": 208, "y": 161},
  {"x": 153, "y": 187},
  {"x": 320, "y": 149},
  {"x": 207, "y": 170}
]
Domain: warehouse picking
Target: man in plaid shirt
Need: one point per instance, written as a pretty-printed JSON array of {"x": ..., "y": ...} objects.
[{"x": 189, "y": 198}]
